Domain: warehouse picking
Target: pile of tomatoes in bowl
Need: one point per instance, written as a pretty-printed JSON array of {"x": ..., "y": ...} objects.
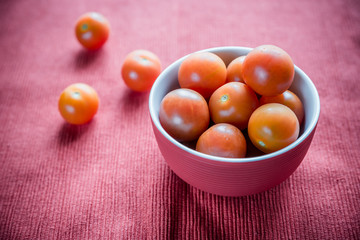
[{"x": 220, "y": 108}]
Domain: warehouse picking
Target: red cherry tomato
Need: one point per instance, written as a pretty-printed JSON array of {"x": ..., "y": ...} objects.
[
  {"x": 140, "y": 70},
  {"x": 184, "y": 114},
  {"x": 234, "y": 70},
  {"x": 288, "y": 99},
  {"x": 233, "y": 103},
  {"x": 268, "y": 70},
  {"x": 78, "y": 103},
  {"x": 272, "y": 127},
  {"x": 203, "y": 72},
  {"x": 92, "y": 30},
  {"x": 222, "y": 140}
]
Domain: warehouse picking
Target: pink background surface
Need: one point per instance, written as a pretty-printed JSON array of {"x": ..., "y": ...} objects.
[{"x": 108, "y": 180}]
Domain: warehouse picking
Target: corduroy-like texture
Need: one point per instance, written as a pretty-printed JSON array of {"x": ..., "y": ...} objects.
[{"x": 108, "y": 180}]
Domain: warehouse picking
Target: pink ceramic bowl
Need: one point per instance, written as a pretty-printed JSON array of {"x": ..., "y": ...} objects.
[{"x": 237, "y": 176}]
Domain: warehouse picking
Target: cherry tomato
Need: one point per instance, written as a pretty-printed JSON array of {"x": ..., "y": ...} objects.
[
  {"x": 222, "y": 140},
  {"x": 272, "y": 127},
  {"x": 268, "y": 70},
  {"x": 234, "y": 70},
  {"x": 203, "y": 72},
  {"x": 92, "y": 30},
  {"x": 78, "y": 103},
  {"x": 140, "y": 70},
  {"x": 233, "y": 103},
  {"x": 184, "y": 114},
  {"x": 288, "y": 99}
]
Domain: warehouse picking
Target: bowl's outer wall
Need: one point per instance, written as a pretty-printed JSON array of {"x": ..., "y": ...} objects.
[{"x": 231, "y": 179}]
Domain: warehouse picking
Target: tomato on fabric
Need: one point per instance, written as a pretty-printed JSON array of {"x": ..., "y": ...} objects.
[
  {"x": 140, "y": 70},
  {"x": 78, "y": 103},
  {"x": 222, "y": 140},
  {"x": 92, "y": 30},
  {"x": 234, "y": 70},
  {"x": 203, "y": 72},
  {"x": 184, "y": 114},
  {"x": 288, "y": 99},
  {"x": 268, "y": 70},
  {"x": 233, "y": 103},
  {"x": 272, "y": 127}
]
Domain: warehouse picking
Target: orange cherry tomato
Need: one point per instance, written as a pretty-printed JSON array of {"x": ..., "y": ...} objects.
[
  {"x": 268, "y": 70},
  {"x": 234, "y": 70},
  {"x": 184, "y": 114},
  {"x": 233, "y": 103},
  {"x": 92, "y": 30},
  {"x": 272, "y": 127},
  {"x": 78, "y": 103},
  {"x": 288, "y": 99},
  {"x": 140, "y": 70},
  {"x": 203, "y": 72},
  {"x": 222, "y": 140}
]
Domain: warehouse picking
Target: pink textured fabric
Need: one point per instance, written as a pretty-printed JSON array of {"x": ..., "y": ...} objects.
[{"x": 108, "y": 180}]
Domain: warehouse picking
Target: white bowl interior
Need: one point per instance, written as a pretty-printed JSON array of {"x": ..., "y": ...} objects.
[{"x": 302, "y": 86}]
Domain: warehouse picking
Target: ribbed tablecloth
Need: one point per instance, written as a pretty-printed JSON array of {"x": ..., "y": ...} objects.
[{"x": 108, "y": 180}]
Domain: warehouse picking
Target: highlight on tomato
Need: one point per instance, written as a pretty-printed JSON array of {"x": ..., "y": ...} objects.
[
  {"x": 288, "y": 99},
  {"x": 222, "y": 140},
  {"x": 272, "y": 127},
  {"x": 268, "y": 70},
  {"x": 233, "y": 103},
  {"x": 184, "y": 114},
  {"x": 92, "y": 30},
  {"x": 203, "y": 72},
  {"x": 140, "y": 70},
  {"x": 234, "y": 70},
  {"x": 78, "y": 103}
]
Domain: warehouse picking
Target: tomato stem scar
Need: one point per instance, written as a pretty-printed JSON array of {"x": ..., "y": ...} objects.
[
  {"x": 224, "y": 98},
  {"x": 84, "y": 26}
]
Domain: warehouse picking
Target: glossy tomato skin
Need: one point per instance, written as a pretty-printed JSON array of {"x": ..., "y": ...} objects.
[
  {"x": 234, "y": 70},
  {"x": 184, "y": 114},
  {"x": 233, "y": 103},
  {"x": 203, "y": 72},
  {"x": 272, "y": 127},
  {"x": 78, "y": 103},
  {"x": 268, "y": 70},
  {"x": 222, "y": 140},
  {"x": 140, "y": 70},
  {"x": 288, "y": 99},
  {"x": 92, "y": 30}
]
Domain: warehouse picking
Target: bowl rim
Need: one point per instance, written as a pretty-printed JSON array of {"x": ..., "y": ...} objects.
[{"x": 156, "y": 122}]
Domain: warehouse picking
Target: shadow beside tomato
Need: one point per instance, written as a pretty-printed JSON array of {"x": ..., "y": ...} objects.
[
  {"x": 133, "y": 100},
  {"x": 251, "y": 151},
  {"x": 69, "y": 133},
  {"x": 84, "y": 58}
]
